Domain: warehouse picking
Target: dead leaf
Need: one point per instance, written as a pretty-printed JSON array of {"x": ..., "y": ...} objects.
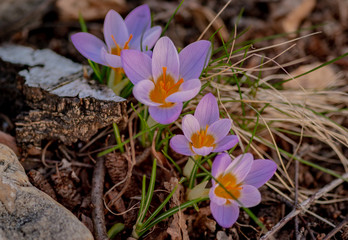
[
  {"x": 318, "y": 79},
  {"x": 9, "y": 141},
  {"x": 90, "y": 9},
  {"x": 178, "y": 228},
  {"x": 221, "y": 235},
  {"x": 293, "y": 20}
]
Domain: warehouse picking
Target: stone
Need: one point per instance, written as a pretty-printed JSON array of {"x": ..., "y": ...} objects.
[{"x": 26, "y": 212}]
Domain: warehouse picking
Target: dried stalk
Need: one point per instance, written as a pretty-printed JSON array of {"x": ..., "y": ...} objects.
[{"x": 304, "y": 206}]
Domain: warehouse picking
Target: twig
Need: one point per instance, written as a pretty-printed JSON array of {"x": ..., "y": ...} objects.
[
  {"x": 217, "y": 15},
  {"x": 304, "y": 205},
  {"x": 103, "y": 133},
  {"x": 43, "y": 155},
  {"x": 97, "y": 200},
  {"x": 336, "y": 229}
]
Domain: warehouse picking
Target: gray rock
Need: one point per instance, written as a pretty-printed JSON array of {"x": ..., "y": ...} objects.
[{"x": 26, "y": 212}]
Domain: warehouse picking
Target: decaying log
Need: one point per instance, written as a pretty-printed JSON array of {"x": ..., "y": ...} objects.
[{"x": 63, "y": 104}]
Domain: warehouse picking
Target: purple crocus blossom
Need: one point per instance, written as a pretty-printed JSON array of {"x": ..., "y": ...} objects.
[
  {"x": 204, "y": 132},
  {"x": 241, "y": 177},
  {"x": 168, "y": 79},
  {"x": 134, "y": 32}
]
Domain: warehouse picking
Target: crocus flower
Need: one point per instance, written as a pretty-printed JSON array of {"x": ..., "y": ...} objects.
[
  {"x": 168, "y": 79},
  {"x": 134, "y": 32},
  {"x": 204, "y": 132},
  {"x": 241, "y": 177}
]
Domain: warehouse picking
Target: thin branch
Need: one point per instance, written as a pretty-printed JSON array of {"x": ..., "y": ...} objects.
[
  {"x": 97, "y": 200},
  {"x": 336, "y": 229},
  {"x": 219, "y": 13},
  {"x": 304, "y": 205}
]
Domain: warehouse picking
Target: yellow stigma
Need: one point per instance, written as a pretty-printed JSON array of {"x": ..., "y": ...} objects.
[
  {"x": 202, "y": 139},
  {"x": 164, "y": 86},
  {"x": 229, "y": 181}
]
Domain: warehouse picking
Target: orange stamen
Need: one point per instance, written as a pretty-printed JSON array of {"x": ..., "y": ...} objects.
[
  {"x": 117, "y": 50},
  {"x": 164, "y": 76},
  {"x": 112, "y": 36},
  {"x": 176, "y": 84},
  {"x": 126, "y": 44}
]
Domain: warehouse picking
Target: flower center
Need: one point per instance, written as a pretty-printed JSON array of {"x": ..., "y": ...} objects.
[
  {"x": 229, "y": 181},
  {"x": 202, "y": 139},
  {"x": 117, "y": 49},
  {"x": 165, "y": 86}
]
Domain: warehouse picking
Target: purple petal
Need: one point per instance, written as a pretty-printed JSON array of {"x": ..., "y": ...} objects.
[
  {"x": 193, "y": 58},
  {"x": 202, "y": 151},
  {"x": 249, "y": 196},
  {"x": 136, "y": 65},
  {"x": 207, "y": 111},
  {"x": 226, "y": 143},
  {"x": 240, "y": 166},
  {"x": 208, "y": 57},
  {"x": 89, "y": 46},
  {"x": 114, "y": 26},
  {"x": 220, "y": 129},
  {"x": 138, "y": 20},
  {"x": 165, "y": 55},
  {"x": 261, "y": 171},
  {"x": 149, "y": 53},
  {"x": 220, "y": 164},
  {"x": 180, "y": 145},
  {"x": 188, "y": 90},
  {"x": 225, "y": 215},
  {"x": 166, "y": 115},
  {"x": 141, "y": 92},
  {"x": 150, "y": 37},
  {"x": 214, "y": 198},
  {"x": 113, "y": 60},
  {"x": 190, "y": 125}
]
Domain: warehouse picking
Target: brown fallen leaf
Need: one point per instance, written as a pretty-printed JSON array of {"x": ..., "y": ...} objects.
[
  {"x": 9, "y": 141},
  {"x": 90, "y": 9},
  {"x": 293, "y": 20},
  {"x": 318, "y": 79}
]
